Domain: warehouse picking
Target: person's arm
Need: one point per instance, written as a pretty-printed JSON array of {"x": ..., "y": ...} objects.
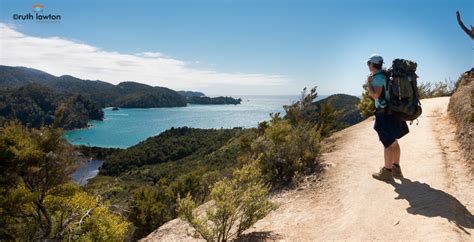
[
  {"x": 375, "y": 92},
  {"x": 374, "y": 87}
]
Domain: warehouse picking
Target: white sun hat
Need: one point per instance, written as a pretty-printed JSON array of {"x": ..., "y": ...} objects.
[{"x": 375, "y": 59}]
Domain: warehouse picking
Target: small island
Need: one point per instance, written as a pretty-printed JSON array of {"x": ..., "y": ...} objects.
[
  {"x": 214, "y": 100},
  {"x": 193, "y": 97}
]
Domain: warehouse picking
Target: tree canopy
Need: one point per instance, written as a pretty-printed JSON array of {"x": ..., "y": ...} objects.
[{"x": 37, "y": 199}]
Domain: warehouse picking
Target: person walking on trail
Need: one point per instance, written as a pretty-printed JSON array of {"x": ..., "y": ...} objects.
[{"x": 388, "y": 127}]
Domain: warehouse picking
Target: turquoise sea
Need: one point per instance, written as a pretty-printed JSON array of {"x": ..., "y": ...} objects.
[{"x": 126, "y": 127}]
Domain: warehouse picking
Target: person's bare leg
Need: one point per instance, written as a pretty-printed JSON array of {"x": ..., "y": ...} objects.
[
  {"x": 396, "y": 152},
  {"x": 388, "y": 156}
]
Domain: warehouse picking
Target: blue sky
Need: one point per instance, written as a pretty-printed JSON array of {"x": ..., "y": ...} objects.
[{"x": 238, "y": 47}]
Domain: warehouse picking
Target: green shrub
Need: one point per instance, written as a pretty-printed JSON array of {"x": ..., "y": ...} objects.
[
  {"x": 438, "y": 89},
  {"x": 237, "y": 204},
  {"x": 290, "y": 146},
  {"x": 150, "y": 208},
  {"x": 366, "y": 105},
  {"x": 327, "y": 121},
  {"x": 287, "y": 151}
]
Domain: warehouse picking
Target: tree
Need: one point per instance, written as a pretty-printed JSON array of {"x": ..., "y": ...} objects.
[
  {"x": 80, "y": 216},
  {"x": 297, "y": 112},
  {"x": 237, "y": 204},
  {"x": 470, "y": 32},
  {"x": 307, "y": 112},
  {"x": 37, "y": 199},
  {"x": 366, "y": 105}
]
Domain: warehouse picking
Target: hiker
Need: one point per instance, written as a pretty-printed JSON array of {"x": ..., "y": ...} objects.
[{"x": 388, "y": 126}]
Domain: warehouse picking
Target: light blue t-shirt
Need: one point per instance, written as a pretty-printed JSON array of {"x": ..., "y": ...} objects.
[{"x": 379, "y": 80}]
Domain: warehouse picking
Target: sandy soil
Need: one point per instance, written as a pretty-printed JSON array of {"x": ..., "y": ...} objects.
[{"x": 435, "y": 201}]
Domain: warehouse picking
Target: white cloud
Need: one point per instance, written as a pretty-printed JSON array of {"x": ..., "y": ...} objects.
[
  {"x": 150, "y": 54},
  {"x": 60, "y": 56}
]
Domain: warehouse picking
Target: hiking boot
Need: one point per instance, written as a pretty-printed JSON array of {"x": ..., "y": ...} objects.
[
  {"x": 383, "y": 175},
  {"x": 397, "y": 172}
]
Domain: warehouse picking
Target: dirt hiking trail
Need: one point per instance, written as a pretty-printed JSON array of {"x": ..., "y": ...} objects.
[{"x": 435, "y": 201}]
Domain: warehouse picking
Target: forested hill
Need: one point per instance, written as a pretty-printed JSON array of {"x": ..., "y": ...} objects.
[
  {"x": 171, "y": 145},
  {"x": 125, "y": 94},
  {"x": 345, "y": 105},
  {"x": 36, "y": 105},
  {"x": 340, "y": 107}
]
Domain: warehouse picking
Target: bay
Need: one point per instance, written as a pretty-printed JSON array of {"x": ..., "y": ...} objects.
[{"x": 128, "y": 126}]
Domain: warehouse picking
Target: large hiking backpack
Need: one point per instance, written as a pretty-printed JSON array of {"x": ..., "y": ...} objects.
[{"x": 402, "y": 86}]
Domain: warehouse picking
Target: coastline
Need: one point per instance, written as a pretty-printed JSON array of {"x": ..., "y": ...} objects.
[{"x": 129, "y": 126}]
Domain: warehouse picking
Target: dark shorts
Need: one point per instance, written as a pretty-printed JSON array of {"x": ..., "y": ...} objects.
[{"x": 389, "y": 128}]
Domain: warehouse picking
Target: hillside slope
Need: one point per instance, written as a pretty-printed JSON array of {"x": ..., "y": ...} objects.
[
  {"x": 461, "y": 108},
  {"x": 125, "y": 94},
  {"x": 434, "y": 203},
  {"x": 346, "y": 105}
]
